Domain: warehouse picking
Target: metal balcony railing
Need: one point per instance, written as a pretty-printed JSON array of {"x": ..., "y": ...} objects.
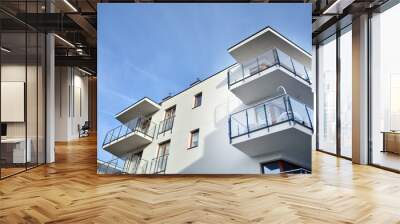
[
  {"x": 264, "y": 61},
  {"x": 296, "y": 171},
  {"x": 140, "y": 124},
  {"x": 158, "y": 165},
  {"x": 129, "y": 167},
  {"x": 110, "y": 167},
  {"x": 166, "y": 125},
  {"x": 136, "y": 166},
  {"x": 272, "y": 112}
]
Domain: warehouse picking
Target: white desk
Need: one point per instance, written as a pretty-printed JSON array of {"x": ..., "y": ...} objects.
[{"x": 18, "y": 153}]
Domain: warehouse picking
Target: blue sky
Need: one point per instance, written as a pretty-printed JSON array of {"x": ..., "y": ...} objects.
[{"x": 155, "y": 50}]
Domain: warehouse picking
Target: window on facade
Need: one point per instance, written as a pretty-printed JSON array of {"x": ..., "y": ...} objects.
[
  {"x": 168, "y": 121},
  {"x": 170, "y": 112},
  {"x": 197, "y": 100},
  {"x": 159, "y": 164},
  {"x": 163, "y": 149},
  {"x": 194, "y": 138}
]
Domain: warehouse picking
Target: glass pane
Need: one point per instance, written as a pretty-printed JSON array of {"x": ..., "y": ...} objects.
[
  {"x": 285, "y": 60},
  {"x": 300, "y": 70},
  {"x": 235, "y": 74},
  {"x": 257, "y": 117},
  {"x": 195, "y": 139},
  {"x": 327, "y": 96},
  {"x": 250, "y": 68},
  {"x": 300, "y": 113},
  {"x": 238, "y": 124},
  {"x": 385, "y": 89},
  {"x": 276, "y": 111},
  {"x": 266, "y": 60},
  {"x": 345, "y": 93},
  {"x": 31, "y": 100},
  {"x": 271, "y": 168},
  {"x": 14, "y": 150},
  {"x": 41, "y": 98}
]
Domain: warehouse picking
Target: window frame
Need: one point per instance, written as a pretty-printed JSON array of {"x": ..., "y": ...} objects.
[
  {"x": 195, "y": 100},
  {"x": 191, "y": 138},
  {"x": 161, "y": 146}
]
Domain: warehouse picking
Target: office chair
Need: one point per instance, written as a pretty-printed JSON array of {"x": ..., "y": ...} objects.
[{"x": 84, "y": 130}]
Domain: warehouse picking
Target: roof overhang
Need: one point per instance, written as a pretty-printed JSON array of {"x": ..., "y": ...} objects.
[
  {"x": 143, "y": 107},
  {"x": 265, "y": 40}
]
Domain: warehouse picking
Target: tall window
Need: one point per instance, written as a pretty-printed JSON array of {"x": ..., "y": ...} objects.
[
  {"x": 197, "y": 100},
  {"x": 160, "y": 163},
  {"x": 327, "y": 95},
  {"x": 163, "y": 149},
  {"x": 346, "y": 92},
  {"x": 168, "y": 121},
  {"x": 194, "y": 138},
  {"x": 385, "y": 89}
]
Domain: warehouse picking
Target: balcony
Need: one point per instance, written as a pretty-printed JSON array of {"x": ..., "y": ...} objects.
[
  {"x": 274, "y": 126},
  {"x": 166, "y": 125},
  {"x": 142, "y": 108},
  {"x": 158, "y": 165},
  {"x": 110, "y": 167},
  {"x": 265, "y": 73},
  {"x": 129, "y": 136}
]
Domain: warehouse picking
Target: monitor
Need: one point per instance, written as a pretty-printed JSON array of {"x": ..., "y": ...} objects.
[{"x": 3, "y": 129}]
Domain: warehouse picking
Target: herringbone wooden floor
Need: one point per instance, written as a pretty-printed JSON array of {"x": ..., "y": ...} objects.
[{"x": 70, "y": 191}]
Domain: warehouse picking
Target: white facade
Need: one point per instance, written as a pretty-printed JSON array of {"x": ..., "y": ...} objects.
[{"x": 217, "y": 152}]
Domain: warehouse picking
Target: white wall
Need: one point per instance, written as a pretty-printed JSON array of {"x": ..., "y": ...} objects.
[
  {"x": 215, "y": 154},
  {"x": 71, "y": 93}
]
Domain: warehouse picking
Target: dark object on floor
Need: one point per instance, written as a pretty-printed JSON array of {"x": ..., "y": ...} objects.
[{"x": 84, "y": 130}]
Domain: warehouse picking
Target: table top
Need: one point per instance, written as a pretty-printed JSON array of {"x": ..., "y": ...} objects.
[
  {"x": 391, "y": 132},
  {"x": 13, "y": 140}
]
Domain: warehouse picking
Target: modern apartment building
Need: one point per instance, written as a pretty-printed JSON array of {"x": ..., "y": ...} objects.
[{"x": 238, "y": 120}]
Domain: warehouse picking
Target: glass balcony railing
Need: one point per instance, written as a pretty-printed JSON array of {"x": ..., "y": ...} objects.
[
  {"x": 262, "y": 62},
  {"x": 272, "y": 112},
  {"x": 158, "y": 165},
  {"x": 140, "y": 124},
  {"x": 166, "y": 125}
]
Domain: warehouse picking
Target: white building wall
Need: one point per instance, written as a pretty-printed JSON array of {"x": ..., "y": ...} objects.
[{"x": 215, "y": 154}]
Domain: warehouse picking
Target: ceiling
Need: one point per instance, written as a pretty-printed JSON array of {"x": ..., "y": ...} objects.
[
  {"x": 73, "y": 21},
  {"x": 332, "y": 15}
]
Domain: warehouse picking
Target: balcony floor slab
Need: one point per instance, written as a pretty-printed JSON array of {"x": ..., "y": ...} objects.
[
  {"x": 127, "y": 143},
  {"x": 264, "y": 85},
  {"x": 283, "y": 138}
]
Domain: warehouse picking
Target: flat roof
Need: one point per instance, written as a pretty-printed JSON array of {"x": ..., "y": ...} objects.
[
  {"x": 142, "y": 106},
  {"x": 263, "y": 31}
]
